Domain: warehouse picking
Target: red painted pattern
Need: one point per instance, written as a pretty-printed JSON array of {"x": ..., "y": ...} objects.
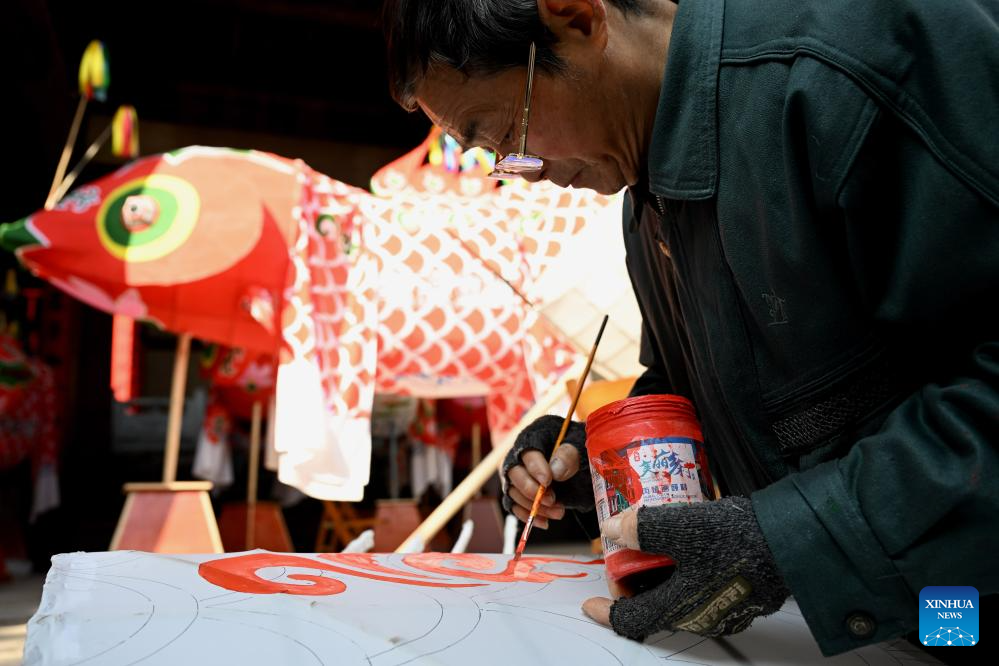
[
  {"x": 368, "y": 562},
  {"x": 478, "y": 566},
  {"x": 239, "y": 573}
]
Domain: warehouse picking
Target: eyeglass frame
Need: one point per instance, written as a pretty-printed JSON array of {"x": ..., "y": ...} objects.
[{"x": 515, "y": 165}]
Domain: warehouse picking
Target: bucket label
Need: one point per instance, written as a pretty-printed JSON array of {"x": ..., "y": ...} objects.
[
  {"x": 656, "y": 471},
  {"x": 609, "y": 503},
  {"x": 667, "y": 470}
]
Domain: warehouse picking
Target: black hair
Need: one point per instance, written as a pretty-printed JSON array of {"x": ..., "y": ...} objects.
[{"x": 475, "y": 37}]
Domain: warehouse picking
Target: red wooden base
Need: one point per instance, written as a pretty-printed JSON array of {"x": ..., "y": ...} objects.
[
  {"x": 270, "y": 531},
  {"x": 487, "y": 536},
  {"x": 167, "y": 518},
  {"x": 395, "y": 520}
]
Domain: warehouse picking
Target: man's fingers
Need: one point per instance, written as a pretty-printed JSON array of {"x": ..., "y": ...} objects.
[
  {"x": 537, "y": 466},
  {"x": 565, "y": 463},
  {"x": 523, "y": 514},
  {"x": 619, "y": 588},
  {"x": 644, "y": 613},
  {"x": 622, "y": 529},
  {"x": 521, "y": 499},
  {"x": 522, "y": 481},
  {"x": 598, "y": 609},
  {"x": 548, "y": 507}
]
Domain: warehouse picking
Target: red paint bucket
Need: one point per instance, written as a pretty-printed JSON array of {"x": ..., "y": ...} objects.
[{"x": 644, "y": 451}]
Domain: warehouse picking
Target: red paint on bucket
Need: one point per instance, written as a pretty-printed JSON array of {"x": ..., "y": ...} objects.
[{"x": 644, "y": 451}]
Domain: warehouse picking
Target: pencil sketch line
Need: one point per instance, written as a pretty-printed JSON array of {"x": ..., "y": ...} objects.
[
  {"x": 440, "y": 617},
  {"x": 584, "y": 620},
  {"x": 447, "y": 647},
  {"x": 148, "y": 580},
  {"x": 557, "y": 626},
  {"x": 693, "y": 645},
  {"x": 492, "y": 591},
  {"x": 127, "y": 638},
  {"x": 670, "y": 634},
  {"x": 527, "y": 594},
  {"x": 102, "y": 566},
  {"x": 197, "y": 611},
  {"x": 276, "y": 633},
  {"x": 245, "y": 597},
  {"x": 299, "y": 619}
]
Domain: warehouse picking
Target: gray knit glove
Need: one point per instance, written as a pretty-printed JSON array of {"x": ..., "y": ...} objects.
[
  {"x": 576, "y": 492},
  {"x": 725, "y": 573}
]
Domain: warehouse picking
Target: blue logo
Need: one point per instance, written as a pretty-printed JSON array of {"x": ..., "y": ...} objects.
[{"x": 948, "y": 616}]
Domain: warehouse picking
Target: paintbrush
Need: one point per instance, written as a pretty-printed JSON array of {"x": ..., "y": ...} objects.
[{"x": 558, "y": 442}]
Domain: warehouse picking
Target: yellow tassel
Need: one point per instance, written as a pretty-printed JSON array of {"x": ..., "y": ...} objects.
[
  {"x": 10, "y": 285},
  {"x": 94, "y": 73},
  {"x": 125, "y": 132}
]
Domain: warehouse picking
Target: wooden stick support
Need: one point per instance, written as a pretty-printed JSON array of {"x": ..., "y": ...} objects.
[
  {"x": 485, "y": 469},
  {"x": 67, "y": 151},
  {"x": 78, "y": 169},
  {"x": 476, "y": 444},
  {"x": 176, "y": 408},
  {"x": 252, "y": 476},
  {"x": 172, "y": 516},
  {"x": 173, "y": 486},
  {"x": 476, "y": 449}
]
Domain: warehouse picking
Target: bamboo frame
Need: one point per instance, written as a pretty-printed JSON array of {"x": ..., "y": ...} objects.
[
  {"x": 252, "y": 477},
  {"x": 174, "y": 422}
]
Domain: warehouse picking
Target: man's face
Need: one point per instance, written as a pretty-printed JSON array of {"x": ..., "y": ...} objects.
[{"x": 570, "y": 127}]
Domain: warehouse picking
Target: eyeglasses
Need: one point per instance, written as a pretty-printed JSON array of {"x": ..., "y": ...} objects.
[{"x": 517, "y": 164}]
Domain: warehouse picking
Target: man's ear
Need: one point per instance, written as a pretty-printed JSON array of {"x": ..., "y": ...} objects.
[{"x": 575, "y": 20}]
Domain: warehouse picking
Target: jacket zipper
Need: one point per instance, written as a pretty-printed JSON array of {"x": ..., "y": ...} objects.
[{"x": 660, "y": 206}]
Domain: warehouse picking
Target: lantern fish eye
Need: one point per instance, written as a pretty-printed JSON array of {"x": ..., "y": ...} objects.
[{"x": 139, "y": 212}]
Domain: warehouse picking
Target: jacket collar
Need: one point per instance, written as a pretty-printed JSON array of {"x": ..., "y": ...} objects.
[{"x": 683, "y": 154}]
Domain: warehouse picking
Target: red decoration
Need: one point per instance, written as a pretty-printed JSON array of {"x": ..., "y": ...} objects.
[
  {"x": 124, "y": 374},
  {"x": 239, "y": 573}
]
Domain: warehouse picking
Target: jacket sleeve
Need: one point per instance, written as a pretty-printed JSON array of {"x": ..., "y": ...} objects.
[{"x": 915, "y": 501}]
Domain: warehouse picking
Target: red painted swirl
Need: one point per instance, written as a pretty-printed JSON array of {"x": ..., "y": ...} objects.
[{"x": 239, "y": 573}]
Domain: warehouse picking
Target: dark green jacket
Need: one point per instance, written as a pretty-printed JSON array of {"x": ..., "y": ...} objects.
[{"x": 816, "y": 258}]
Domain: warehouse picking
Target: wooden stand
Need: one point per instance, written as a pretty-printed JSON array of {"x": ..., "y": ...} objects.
[
  {"x": 255, "y": 524},
  {"x": 484, "y": 512},
  {"x": 172, "y": 516},
  {"x": 339, "y": 526},
  {"x": 394, "y": 520},
  {"x": 269, "y": 530}
]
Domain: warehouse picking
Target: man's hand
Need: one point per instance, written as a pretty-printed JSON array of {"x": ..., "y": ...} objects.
[
  {"x": 725, "y": 573},
  {"x": 526, "y": 468}
]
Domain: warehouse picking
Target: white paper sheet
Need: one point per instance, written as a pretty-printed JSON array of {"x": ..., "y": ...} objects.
[{"x": 376, "y": 610}]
